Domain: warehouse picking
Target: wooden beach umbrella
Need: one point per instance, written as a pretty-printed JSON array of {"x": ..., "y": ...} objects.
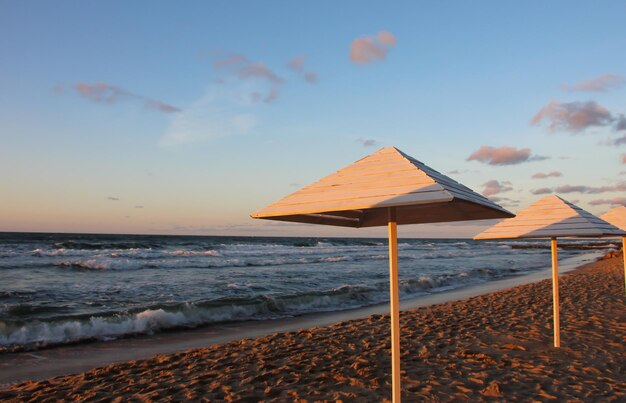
[
  {"x": 384, "y": 189},
  {"x": 552, "y": 217},
  {"x": 617, "y": 217}
]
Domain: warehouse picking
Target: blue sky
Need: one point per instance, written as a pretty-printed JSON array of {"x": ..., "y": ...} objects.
[{"x": 169, "y": 117}]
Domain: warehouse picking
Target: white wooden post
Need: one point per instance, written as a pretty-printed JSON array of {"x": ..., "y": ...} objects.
[
  {"x": 555, "y": 293},
  {"x": 394, "y": 305},
  {"x": 624, "y": 255}
]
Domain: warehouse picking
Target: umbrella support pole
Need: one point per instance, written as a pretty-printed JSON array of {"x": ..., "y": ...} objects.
[
  {"x": 624, "y": 255},
  {"x": 394, "y": 305},
  {"x": 555, "y": 293}
]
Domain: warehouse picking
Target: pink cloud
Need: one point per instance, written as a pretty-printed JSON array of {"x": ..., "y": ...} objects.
[
  {"x": 387, "y": 38},
  {"x": 234, "y": 59},
  {"x": 503, "y": 155},
  {"x": 493, "y": 187},
  {"x": 623, "y": 158},
  {"x": 244, "y": 69},
  {"x": 297, "y": 65},
  {"x": 614, "y": 201},
  {"x": 258, "y": 70},
  {"x": 310, "y": 77},
  {"x": 367, "y": 49},
  {"x": 100, "y": 92},
  {"x": 573, "y": 116},
  {"x": 541, "y": 175},
  {"x": 598, "y": 84}
]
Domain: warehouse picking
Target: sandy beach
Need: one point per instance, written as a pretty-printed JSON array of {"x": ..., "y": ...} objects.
[{"x": 494, "y": 346}]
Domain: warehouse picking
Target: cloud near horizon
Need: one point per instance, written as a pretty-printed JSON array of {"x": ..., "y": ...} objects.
[
  {"x": 103, "y": 93},
  {"x": 614, "y": 201},
  {"x": 503, "y": 155},
  {"x": 614, "y": 142},
  {"x": 241, "y": 67},
  {"x": 367, "y": 142},
  {"x": 505, "y": 201},
  {"x": 598, "y": 84},
  {"x": 541, "y": 191},
  {"x": 541, "y": 175},
  {"x": 367, "y": 49},
  {"x": 620, "y": 187},
  {"x": 494, "y": 187}
]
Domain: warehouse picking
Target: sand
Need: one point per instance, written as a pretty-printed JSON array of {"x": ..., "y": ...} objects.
[{"x": 492, "y": 347}]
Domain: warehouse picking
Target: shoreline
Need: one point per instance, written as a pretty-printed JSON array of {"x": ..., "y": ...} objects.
[
  {"x": 75, "y": 358},
  {"x": 496, "y": 345}
]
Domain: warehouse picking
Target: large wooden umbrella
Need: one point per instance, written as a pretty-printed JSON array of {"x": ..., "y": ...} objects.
[
  {"x": 384, "y": 188},
  {"x": 617, "y": 217},
  {"x": 552, "y": 217}
]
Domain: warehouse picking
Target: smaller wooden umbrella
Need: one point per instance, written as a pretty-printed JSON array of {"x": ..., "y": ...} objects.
[
  {"x": 617, "y": 217},
  {"x": 552, "y": 217}
]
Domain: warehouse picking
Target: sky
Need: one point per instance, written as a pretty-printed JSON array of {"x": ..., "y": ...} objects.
[{"x": 156, "y": 117}]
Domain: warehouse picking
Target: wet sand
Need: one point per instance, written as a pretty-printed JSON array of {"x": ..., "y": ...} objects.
[{"x": 497, "y": 345}]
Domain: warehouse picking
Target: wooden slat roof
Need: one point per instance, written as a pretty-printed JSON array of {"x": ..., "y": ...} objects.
[
  {"x": 551, "y": 217},
  {"x": 360, "y": 194},
  {"x": 616, "y": 216}
]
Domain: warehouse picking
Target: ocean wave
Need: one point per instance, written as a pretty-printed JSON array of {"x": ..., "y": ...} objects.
[
  {"x": 104, "y": 245},
  {"x": 40, "y": 333},
  {"x": 67, "y": 329},
  {"x": 192, "y": 253},
  {"x": 198, "y": 261},
  {"x": 103, "y": 264}
]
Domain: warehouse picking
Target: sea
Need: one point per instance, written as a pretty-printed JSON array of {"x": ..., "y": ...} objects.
[{"x": 71, "y": 288}]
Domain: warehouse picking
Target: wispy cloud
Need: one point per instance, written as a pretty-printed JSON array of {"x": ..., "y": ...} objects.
[
  {"x": 138, "y": 206},
  {"x": 104, "y": 93},
  {"x": 219, "y": 113},
  {"x": 573, "y": 117},
  {"x": 620, "y": 187},
  {"x": 503, "y": 155},
  {"x": 614, "y": 201},
  {"x": 367, "y": 142},
  {"x": 494, "y": 187},
  {"x": 620, "y": 122},
  {"x": 505, "y": 201},
  {"x": 614, "y": 142},
  {"x": 367, "y": 49},
  {"x": 623, "y": 158},
  {"x": 598, "y": 84},
  {"x": 111, "y": 198},
  {"x": 541, "y": 175},
  {"x": 297, "y": 65},
  {"x": 244, "y": 69},
  {"x": 541, "y": 191},
  {"x": 462, "y": 171}
]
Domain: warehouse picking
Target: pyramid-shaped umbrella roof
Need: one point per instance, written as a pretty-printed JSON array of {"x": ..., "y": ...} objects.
[
  {"x": 551, "y": 217},
  {"x": 360, "y": 194},
  {"x": 616, "y": 216}
]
